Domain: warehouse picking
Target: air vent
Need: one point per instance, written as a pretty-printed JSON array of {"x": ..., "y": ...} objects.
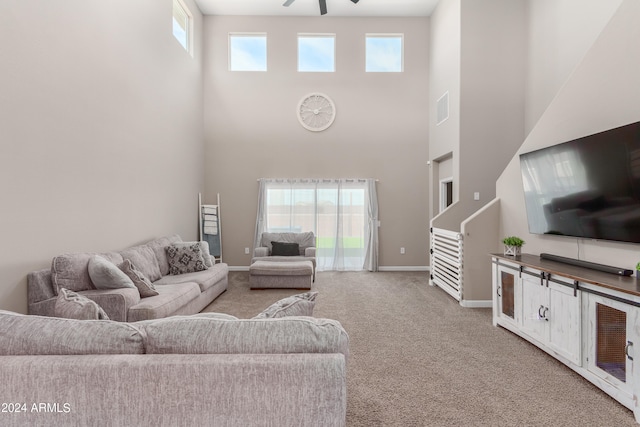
[{"x": 442, "y": 108}]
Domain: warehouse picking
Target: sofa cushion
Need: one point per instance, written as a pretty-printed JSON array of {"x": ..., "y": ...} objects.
[
  {"x": 205, "y": 278},
  {"x": 185, "y": 259},
  {"x": 144, "y": 285},
  {"x": 159, "y": 249},
  {"x": 39, "y": 335},
  {"x": 169, "y": 299},
  {"x": 205, "y": 315},
  {"x": 71, "y": 305},
  {"x": 106, "y": 275},
  {"x": 285, "y": 249},
  {"x": 70, "y": 271},
  {"x": 144, "y": 258},
  {"x": 196, "y": 335},
  {"x": 295, "y": 305}
]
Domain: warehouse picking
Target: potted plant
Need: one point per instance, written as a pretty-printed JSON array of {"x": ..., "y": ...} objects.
[
  {"x": 638, "y": 270},
  {"x": 513, "y": 245}
]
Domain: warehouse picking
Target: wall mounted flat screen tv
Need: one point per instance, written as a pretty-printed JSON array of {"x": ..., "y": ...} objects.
[{"x": 588, "y": 187}]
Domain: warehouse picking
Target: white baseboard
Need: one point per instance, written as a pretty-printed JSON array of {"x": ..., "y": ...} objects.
[
  {"x": 405, "y": 268},
  {"x": 476, "y": 303},
  {"x": 388, "y": 268}
]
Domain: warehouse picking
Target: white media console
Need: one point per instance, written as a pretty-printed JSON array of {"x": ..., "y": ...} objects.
[{"x": 587, "y": 319}]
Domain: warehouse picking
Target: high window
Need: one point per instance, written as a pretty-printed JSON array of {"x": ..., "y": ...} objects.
[
  {"x": 384, "y": 53},
  {"x": 182, "y": 23},
  {"x": 316, "y": 52},
  {"x": 248, "y": 52}
]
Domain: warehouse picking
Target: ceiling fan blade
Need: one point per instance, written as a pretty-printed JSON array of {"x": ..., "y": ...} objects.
[
  {"x": 288, "y": 3},
  {"x": 355, "y": 1},
  {"x": 323, "y": 7}
]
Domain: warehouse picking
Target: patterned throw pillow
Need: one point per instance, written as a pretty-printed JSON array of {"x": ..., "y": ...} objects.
[
  {"x": 144, "y": 285},
  {"x": 296, "y": 305},
  {"x": 209, "y": 261},
  {"x": 71, "y": 305},
  {"x": 185, "y": 259}
]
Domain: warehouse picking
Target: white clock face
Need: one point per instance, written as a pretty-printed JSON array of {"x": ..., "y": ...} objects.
[{"x": 316, "y": 112}]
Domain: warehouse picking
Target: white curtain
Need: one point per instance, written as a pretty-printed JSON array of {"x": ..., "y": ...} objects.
[
  {"x": 371, "y": 258},
  {"x": 342, "y": 213}
]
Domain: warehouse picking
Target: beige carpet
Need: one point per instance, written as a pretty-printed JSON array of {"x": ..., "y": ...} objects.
[{"x": 419, "y": 359}]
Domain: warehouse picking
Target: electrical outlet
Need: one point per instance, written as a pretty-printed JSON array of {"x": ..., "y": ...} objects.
[
  {"x": 246, "y": 251},
  {"x": 476, "y": 195},
  {"x": 402, "y": 251}
]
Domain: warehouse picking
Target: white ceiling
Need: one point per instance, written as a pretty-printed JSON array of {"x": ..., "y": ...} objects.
[{"x": 311, "y": 8}]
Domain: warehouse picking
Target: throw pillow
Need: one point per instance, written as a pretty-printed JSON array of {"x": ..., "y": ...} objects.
[
  {"x": 285, "y": 249},
  {"x": 296, "y": 305},
  {"x": 106, "y": 275},
  {"x": 185, "y": 259},
  {"x": 209, "y": 261},
  {"x": 144, "y": 285},
  {"x": 71, "y": 305}
]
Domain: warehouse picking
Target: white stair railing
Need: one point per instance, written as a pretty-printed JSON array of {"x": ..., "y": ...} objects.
[{"x": 446, "y": 261}]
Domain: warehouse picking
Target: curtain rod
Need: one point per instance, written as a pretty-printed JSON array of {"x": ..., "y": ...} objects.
[{"x": 316, "y": 179}]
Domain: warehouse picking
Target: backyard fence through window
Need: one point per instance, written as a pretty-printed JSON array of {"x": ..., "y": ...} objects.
[{"x": 342, "y": 213}]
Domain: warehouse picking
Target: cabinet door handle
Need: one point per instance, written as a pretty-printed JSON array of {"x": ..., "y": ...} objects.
[
  {"x": 626, "y": 350},
  {"x": 544, "y": 314},
  {"x": 540, "y": 316},
  {"x": 498, "y": 291}
]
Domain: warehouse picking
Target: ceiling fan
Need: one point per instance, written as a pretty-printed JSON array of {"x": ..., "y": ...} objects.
[{"x": 323, "y": 5}]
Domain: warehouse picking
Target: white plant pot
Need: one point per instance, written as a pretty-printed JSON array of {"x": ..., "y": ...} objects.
[{"x": 512, "y": 250}]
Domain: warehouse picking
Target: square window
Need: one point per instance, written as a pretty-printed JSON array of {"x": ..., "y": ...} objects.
[
  {"x": 316, "y": 53},
  {"x": 248, "y": 52},
  {"x": 182, "y": 22},
  {"x": 384, "y": 53}
]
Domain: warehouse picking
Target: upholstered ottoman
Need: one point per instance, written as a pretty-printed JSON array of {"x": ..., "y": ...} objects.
[{"x": 280, "y": 274}]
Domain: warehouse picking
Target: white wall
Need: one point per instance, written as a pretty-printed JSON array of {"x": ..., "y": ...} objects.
[
  {"x": 493, "y": 59},
  {"x": 560, "y": 33},
  {"x": 444, "y": 76},
  {"x": 100, "y": 131},
  {"x": 380, "y": 131},
  {"x": 479, "y": 56},
  {"x": 601, "y": 93}
]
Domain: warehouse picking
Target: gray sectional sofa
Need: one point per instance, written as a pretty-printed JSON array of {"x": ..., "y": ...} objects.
[
  {"x": 200, "y": 370},
  {"x": 178, "y": 294}
]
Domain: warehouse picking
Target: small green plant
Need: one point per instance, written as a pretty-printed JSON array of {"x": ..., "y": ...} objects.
[
  {"x": 638, "y": 266},
  {"x": 515, "y": 241}
]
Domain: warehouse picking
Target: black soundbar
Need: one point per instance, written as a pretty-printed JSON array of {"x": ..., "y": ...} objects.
[{"x": 590, "y": 265}]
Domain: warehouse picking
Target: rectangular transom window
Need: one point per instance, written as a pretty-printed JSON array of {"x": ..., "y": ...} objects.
[
  {"x": 248, "y": 52},
  {"x": 182, "y": 22},
  {"x": 316, "y": 53},
  {"x": 384, "y": 53}
]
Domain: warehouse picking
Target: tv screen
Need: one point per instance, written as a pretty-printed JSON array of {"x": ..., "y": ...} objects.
[{"x": 588, "y": 187}]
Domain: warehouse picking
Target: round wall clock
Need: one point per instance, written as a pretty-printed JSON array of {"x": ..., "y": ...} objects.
[{"x": 316, "y": 112}]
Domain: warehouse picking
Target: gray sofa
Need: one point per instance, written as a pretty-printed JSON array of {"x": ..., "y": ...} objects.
[
  {"x": 177, "y": 294},
  {"x": 306, "y": 243},
  {"x": 201, "y": 370}
]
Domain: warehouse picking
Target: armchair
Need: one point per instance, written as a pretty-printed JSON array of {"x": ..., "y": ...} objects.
[{"x": 306, "y": 248}]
